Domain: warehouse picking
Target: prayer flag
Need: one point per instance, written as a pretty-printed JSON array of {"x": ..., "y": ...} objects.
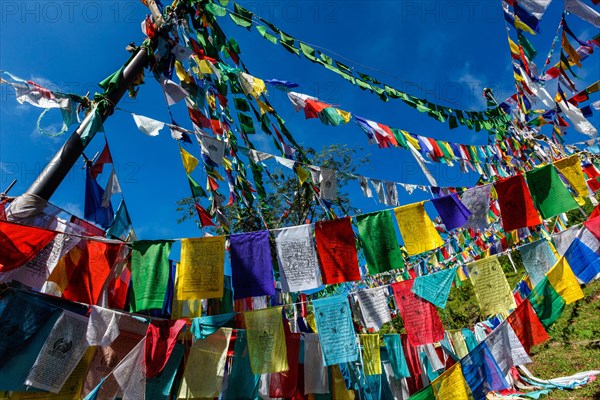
[
  {"x": 454, "y": 214},
  {"x": 451, "y": 385},
  {"x": 374, "y": 307},
  {"x": 149, "y": 273},
  {"x": 251, "y": 265},
  {"x": 378, "y": 239},
  {"x": 537, "y": 258},
  {"x": 371, "y": 354},
  {"x": 421, "y": 319},
  {"x": 336, "y": 330},
  {"x": 549, "y": 193},
  {"x": 337, "y": 251},
  {"x": 205, "y": 366},
  {"x": 435, "y": 288},
  {"x": 297, "y": 259},
  {"x": 266, "y": 340},
  {"x": 491, "y": 287},
  {"x": 200, "y": 271},
  {"x": 527, "y": 326},
  {"x": 481, "y": 372},
  {"x": 516, "y": 205},
  {"x": 21, "y": 244},
  {"x": 417, "y": 230},
  {"x": 477, "y": 201}
]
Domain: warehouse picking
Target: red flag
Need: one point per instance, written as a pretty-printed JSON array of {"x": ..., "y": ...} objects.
[
  {"x": 313, "y": 108},
  {"x": 104, "y": 158},
  {"x": 516, "y": 205},
  {"x": 421, "y": 319},
  {"x": 591, "y": 171},
  {"x": 205, "y": 218},
  {"x": 117, "y": 290},
  {"x": 593, "y": 184},
  {"x": 595, "y": 212},
  {"x": 411, "y": 353},
  {"x": 199, "y": 119},
  {"x": 285, "y": 384},
  {"x": 161, "y": 337},
  {"x": 527, "y": 326},
  {"x": 337, "y": 251},
  {"x": 88, "y": 266},
  {"x": 19, "y": 244}
]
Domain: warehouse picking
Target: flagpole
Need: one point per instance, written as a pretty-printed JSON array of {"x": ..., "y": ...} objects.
[{"x": 57, "y": 169}]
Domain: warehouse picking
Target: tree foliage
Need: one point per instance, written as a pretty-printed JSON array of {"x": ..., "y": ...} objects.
[{"x": 288, "y": 202}]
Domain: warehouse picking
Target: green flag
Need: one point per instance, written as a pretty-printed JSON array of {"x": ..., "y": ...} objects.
[
  {"x": 425, "y": 394},
  {"x": 149, "y": 273},
  {"x": 379, "y": 242},
  {"x": 549, "y": 193},
  {"x": 546, "y": 302}
]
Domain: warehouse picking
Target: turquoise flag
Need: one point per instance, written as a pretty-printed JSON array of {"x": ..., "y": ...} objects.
[{"x": 435, "y": 288}]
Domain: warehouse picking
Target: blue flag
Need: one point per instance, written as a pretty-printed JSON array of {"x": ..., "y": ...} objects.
[
  {"x": 435, "y": 288},
  {"x": 94, "y": 211},
  {"x": 481, "y": 372}
]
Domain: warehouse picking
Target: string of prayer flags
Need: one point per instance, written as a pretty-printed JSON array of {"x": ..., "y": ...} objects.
[
  {"x": 371, "y": 354},
  {"x": 200, "y": 272},
  {"x": 477, "y": 201},
  {"x": 297, "y": 259},
  {"x": 205, "y": 366},
  {"x": 454, "y": 214},
  {"x": 481, "y": 372},
  {"x": 538, "y": 258},
  {"x": 336, "y": 330},
  {"x": 527, "y": 326},
  {"x": 583, "y": 255},
  {"x": 564, "y": 282},
  {"x": 491, "y": 287},
  {"x": 266, "y": 340},
  {"x": 314, "y": 108},
  {"x": 251, "y": 265},
  {"x": 546, "y": 302},
  {"x": 506, "y": 348},
  {"x": 549, "y": 194},
  {"x": 570, "y": 168},
  {"x": 161, "y": 337},
  {"x": 20, "y": 244},
  {"x": 336, "y": 248},
  {"x": 435, "y": 287},
  {"x": 88, "y": 267},
  {"x": 149, "y": 273},
  {"x": 417, "y": 229},
  {"x": 450, "y": 385},
  {"x": 374, "y": 307},
  {"x": 377, "y": 133},
  {"x": 189, "y": 161},
  {"x": 379, "y": 243},
  {"x": 516, "y": 205},
  {"x": 421, "y": 319},
  {"x": 393, "y": 345},
  {"x": 583, "y": 11}
]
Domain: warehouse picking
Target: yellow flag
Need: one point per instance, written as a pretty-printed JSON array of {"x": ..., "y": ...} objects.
[
  {"x": 189, "y": 161},
  {"x": 491, "y": 287},
  {"x": 459, "y": 344},
  {"x": 411, "y": 140},
  {"x": 418, "y": 232},
  {"x": 570, "y": 168},
  {"x": 263, "y": 107},
  {"x": 338, "y": 386},
  {"x": 181, "y": 73},
  {"x": 302, "y": 174},
  {"x": 258, "y": 87},
  {"x": 451, "y": 385},
  {"x": 514, "y": 48},
  {"x": 266, "y": 340},
  {"x": 570, "y": 50},
  {"x": 200, "y": 272},
  {"x": 204, "y": 67},
  {"x": 371, "y": 354},
  {"x": 564, "y": 282},
  {"x": 205, "y": 366},
  {"x": 310, "y": 319},
  {"x": 344, "y": 114}
]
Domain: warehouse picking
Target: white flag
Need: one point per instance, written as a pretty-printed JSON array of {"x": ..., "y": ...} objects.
[
  {"x": 146, "y": 125},
  {"x": 112, "y": 187}
]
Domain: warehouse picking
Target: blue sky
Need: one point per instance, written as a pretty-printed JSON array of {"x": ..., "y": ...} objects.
[{"x": 444, "y": 51}]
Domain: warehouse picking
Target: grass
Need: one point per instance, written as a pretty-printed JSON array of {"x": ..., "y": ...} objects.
[{"x": 574, "y": 346}]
